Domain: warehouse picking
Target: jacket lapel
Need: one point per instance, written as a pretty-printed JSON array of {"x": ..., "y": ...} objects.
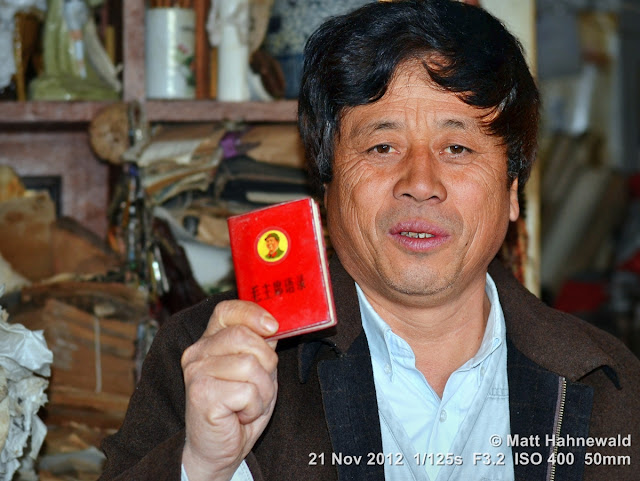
[
  {"x": 351, "y": 408},
  {"x": 537, "y": 409},
  {"x": 544, "y": 357},
  {"x": 346, "y": 383},
  {"x": 347, "y": 387}
]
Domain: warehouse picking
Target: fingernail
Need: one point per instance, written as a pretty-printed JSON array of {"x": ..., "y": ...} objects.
[{"x": 269, "y": 323}]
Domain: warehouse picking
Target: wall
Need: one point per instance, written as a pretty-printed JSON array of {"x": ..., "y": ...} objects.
[{"x": 66, "y": 153}]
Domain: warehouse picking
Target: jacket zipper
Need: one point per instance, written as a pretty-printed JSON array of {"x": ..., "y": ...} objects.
[{"x": 562, "y": 394}]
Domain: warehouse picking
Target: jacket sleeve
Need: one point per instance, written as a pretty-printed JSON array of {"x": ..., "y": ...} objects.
[{"x": 149, "y": 444}]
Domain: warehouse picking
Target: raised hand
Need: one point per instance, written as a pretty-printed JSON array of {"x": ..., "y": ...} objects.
[{"x": 231, "y": 385}]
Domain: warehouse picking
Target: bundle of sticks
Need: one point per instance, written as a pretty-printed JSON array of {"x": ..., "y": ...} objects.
[
  {"x": 92, "y": 375},
  {"x": 91, "y": 328}
]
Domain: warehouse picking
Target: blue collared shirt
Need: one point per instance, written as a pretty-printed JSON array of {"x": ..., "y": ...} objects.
[{"x": 428, "y": 438}]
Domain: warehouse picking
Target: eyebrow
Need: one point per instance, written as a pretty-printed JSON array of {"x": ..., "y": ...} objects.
[
  {"x": 456, "y": 124},
  {"x": 370, "y": 128}
]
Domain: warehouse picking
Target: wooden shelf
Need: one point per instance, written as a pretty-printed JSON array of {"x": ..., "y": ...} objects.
[
  {"x": 48, "y": 112},
  {"x": 211, "y": 110},
  {"x": 41, "y": 112},
  {"x": 31, "y": 114}
]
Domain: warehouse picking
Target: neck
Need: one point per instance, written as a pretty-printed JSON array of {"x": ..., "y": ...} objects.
[{"x": 444, "y": 336}]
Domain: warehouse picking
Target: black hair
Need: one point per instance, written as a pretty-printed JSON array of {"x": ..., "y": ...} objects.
[{"x": 350, "y": 60}]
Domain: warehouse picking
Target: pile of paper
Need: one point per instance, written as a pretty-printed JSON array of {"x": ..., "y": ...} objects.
[
  {"x": 24, "y": 366},
  {"x": 180, "y": 160}
]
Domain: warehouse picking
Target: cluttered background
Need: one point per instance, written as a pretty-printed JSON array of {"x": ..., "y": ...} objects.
[{"x": 130, "y": 131}]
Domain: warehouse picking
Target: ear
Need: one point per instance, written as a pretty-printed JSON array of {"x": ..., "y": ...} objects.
[{"x": 514, "y": 205}]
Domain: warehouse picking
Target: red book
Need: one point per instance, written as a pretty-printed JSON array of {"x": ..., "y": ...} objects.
[{"x": 280, "y": 263}]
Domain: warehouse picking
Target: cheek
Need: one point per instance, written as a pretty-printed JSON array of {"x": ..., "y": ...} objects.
[
  {"x": 486, "y": 206},
  {"x": 491, "y": 188},
  {"x": 352, "y": 199},
  {"x": 347, "y": 209},
  {"x": 349, "y": 174},
  {"x": 356, "y": 185}
]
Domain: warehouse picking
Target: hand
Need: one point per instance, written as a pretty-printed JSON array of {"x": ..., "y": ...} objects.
[{"x": 231, "y": 384}]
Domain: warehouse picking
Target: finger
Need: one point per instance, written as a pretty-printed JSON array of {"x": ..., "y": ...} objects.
[
  {"x": 230, "y": 341},
  {"x": 237, "y": 312},
  {"x": 252, "y": 412},
  {"x": 241, "y": 399},
  {"x": 236, "y": 368}
]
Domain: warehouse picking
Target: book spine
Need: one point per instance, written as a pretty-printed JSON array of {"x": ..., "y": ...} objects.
[{"x": 322, "y": 257}]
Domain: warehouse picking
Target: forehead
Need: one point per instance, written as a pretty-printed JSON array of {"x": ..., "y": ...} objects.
[{"x": 413, "y": 98}]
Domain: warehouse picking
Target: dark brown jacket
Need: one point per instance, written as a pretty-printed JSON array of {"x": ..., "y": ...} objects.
[{"x": 564, "y": 375}]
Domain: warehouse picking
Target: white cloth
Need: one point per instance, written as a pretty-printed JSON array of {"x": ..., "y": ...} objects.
[{"x": 241, "y": 474}]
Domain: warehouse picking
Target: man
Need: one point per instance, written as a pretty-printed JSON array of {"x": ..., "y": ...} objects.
[
  {"x": 419, "y": 119},
  {"x": 273, "y": 245}
]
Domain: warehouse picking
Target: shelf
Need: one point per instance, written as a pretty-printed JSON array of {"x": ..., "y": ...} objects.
[
  {"x": 46, "y": 112},
  {"x": 211, "y": 110},
  {"x": 41, "y": 112},
  {"x": 30, "y": 115}
]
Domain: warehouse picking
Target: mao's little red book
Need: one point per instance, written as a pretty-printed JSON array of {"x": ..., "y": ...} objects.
[{"x": 280, "y": 262}]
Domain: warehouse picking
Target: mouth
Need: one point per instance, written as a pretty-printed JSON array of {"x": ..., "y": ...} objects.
[{"x": 418, "y": 236}]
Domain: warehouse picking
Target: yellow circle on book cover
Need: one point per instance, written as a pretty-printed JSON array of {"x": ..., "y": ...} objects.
[{"x": 273, "y": 245}]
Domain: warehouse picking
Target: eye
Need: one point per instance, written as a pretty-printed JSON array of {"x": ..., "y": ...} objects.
[
  {"x": 456, "y": 150},
  {"x": 382, "y": 149}
]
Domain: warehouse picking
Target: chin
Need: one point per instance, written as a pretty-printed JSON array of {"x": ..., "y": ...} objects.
[{"x": 419, "y": 281}]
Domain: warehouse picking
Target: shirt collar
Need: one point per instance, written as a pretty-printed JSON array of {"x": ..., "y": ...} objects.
[
  {"x": 376, "y": 331},
  {"x": 495, "y": 332},
  {"x": 383, "y": 342}
]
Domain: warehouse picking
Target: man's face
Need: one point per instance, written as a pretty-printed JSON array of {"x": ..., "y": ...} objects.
[
  {"x": 272, "y": 244},
  {"x": 418, "y": 204}
]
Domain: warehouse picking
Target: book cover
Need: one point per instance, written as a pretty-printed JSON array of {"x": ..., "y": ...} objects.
[{"x": 280, "y": 263}]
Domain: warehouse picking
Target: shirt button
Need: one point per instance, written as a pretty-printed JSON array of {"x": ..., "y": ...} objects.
[
  {"x": 443, "y": 416},
  {"x": 387, "y": 368},
  {"x": 483, "y": 371}
]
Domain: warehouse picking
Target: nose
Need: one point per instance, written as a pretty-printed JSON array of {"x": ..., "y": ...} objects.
[{"x": 420, "y": 178}]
